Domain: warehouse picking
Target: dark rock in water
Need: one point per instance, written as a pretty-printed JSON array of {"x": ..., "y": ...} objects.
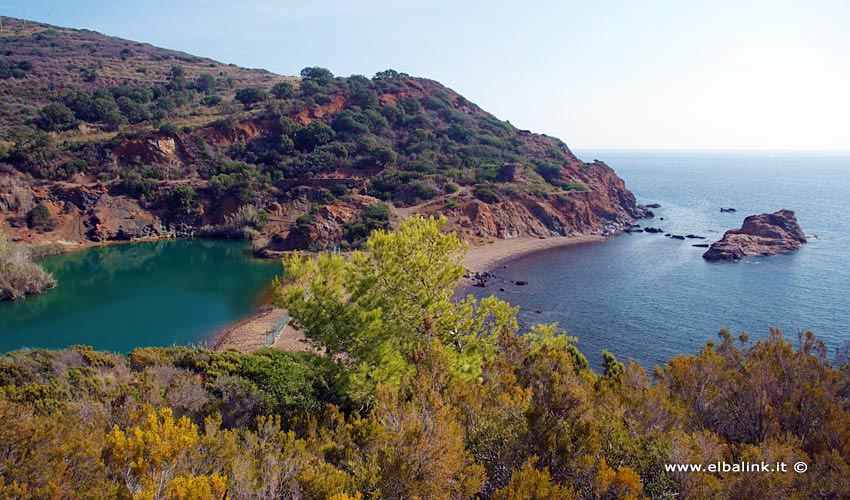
[
  {"x": 521, "y": 283},
  {"x": 502, "y": 289},
  {"x": 727, "y": 210},
  {"x": 667, "y": 235},
  {"x": 677, "y": 237},
  {"x": 701, "y": 245},
  {"x": 481, "y": 279},
  {"x": 653, "y": 205},
  {"x": 661, "y": 218},
  {"x": 654, "y": 230},
  {"x": 632, "y": 228},
  {"x": 694, "y": 237},
  {"x": 765, "y": 234}
]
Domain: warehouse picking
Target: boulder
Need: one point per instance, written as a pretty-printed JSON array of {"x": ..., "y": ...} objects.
[{"x": 764, "y": 234}]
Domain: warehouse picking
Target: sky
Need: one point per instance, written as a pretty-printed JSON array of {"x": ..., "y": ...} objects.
[{"x": 654, "y": 74}]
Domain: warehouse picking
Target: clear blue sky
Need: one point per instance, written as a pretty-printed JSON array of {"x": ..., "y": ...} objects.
[{"x": 619, "y": 74}]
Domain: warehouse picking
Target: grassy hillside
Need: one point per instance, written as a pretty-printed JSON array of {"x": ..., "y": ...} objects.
[
  {"x": 102, "y": 130},
  {"x": 58, "y": 60}
]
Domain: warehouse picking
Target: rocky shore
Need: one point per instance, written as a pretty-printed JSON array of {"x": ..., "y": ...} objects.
[{"x": 764, "y": 234}]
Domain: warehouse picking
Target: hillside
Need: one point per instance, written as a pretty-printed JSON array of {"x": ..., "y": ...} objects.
[{"x": 107, "y": 139}]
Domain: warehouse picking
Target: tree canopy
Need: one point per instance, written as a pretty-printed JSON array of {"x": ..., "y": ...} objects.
[{"x": 383, "y": 308}]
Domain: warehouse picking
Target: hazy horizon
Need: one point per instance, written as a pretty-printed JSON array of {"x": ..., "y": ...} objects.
[{"x": 766, "y": 76}]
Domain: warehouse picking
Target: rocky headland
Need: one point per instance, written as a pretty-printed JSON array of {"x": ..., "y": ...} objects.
[
  {"x": 764, "y": 234},
  {"x": 161, "y": 144}
]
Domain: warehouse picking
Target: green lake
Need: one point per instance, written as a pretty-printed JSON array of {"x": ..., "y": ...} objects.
[{"x": 124, "y": 296}]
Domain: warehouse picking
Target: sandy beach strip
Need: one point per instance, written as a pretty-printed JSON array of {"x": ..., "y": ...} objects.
[
  {"x": 251, "y": 333},
  {"x": 489, "y": 256}
]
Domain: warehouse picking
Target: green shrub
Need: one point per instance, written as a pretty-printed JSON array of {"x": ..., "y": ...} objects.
[
  {"x": 183, "y": 200},
  {"x": 389, "y": 74},
  {"x": 134, "y": 186},
  {"x": 55, "y": 117},
  {"x": 250, "y": 96},
  {"x": 378, "y": 212},
  {"x": 316, "y": 74},
  {"x": 133, "y": 110},
  {"x": 71, "y": 168},
  {"x": 204, "y": 82},
  {"x": 283, "y": 90},
  {"x": 302, "y": 223},
  {"x": 88, "y": 74},
  {"x": 313, "y": 135},
  {"x": 376, "y": 216},
  {"x": 211, "y": 100},
  {"x": 14, "y": 69},
  {"x": 486, "y": 194},
  {"x": 290, "y": 381},
  {"x": 340, "y": 191},
  {"x": 39, "y": 218},
  {"x": 168, "y": 128}
]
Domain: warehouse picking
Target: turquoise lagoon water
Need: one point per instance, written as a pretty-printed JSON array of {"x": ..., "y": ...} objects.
[{"x": 142, "y": 294}]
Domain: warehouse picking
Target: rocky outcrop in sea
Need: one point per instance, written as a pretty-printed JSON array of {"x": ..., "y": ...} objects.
[{"x": 764, "y": 234}]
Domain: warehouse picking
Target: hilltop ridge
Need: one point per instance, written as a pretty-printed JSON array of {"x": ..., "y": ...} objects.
[{"x": 108, "y": 139}]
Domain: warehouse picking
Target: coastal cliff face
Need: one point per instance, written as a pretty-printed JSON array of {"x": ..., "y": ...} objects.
[
  {"x": 764, "y": 234},
  {"x": 164, "y": 144}
]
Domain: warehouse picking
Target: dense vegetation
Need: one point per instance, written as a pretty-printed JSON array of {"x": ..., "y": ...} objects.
[
  {"x": 433, "y": 139},
  {"x": 103, "y": 131},
  {"x": 19, "y": 276},
  {"x": 418, "y": 394},
  {"x": 413, "y": 138}
]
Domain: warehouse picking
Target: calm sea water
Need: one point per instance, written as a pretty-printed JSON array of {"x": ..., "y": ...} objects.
[
  {"x": 146, "y": 294},
  {"x": 648, "y": 298}
]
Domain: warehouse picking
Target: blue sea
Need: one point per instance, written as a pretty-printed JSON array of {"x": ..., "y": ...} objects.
[{"x": 648, "y": 298}]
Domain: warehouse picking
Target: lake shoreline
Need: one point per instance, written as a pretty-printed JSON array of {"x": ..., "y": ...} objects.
[{"x": 62, "y": 247}]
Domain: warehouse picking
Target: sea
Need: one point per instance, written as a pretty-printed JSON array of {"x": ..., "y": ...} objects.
[{"x": 648, "y": 298}]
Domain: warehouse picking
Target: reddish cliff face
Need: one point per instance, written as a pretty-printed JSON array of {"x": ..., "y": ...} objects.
[
  {"x": 594, "y": 200},
  {"x": 765, "y": 234}
]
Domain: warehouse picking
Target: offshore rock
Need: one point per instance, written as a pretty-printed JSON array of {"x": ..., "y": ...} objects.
[{"x": 764, "y": 234}]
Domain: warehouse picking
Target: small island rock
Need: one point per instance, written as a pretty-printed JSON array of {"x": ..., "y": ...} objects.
[{"x": 764, "y": 234}]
